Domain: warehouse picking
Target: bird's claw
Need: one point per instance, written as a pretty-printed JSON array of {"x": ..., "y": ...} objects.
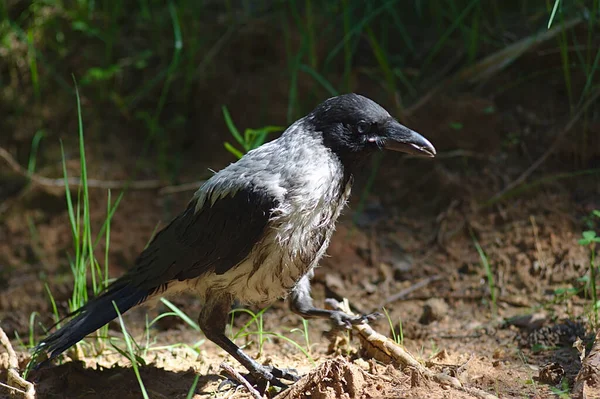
[
  {"x": 341, "y": 320},
  {"x": 273, "y": 375},
  {"x": 265, "y": 374},
  {"x": 284, "y": 374}
]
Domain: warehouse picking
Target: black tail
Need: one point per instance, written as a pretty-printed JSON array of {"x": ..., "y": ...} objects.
[{"x": 93, "y": 315}]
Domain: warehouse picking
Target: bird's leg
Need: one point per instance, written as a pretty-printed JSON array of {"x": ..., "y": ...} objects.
[
  {"x": 213, "y": 320},
  {"x": 302, "y": 304}
]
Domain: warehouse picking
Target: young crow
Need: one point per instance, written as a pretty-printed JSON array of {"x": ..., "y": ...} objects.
[{"x": 255, "y": 231}]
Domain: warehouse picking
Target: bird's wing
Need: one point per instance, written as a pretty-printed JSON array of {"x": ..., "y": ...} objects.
[{"x": 215, "y": 238}]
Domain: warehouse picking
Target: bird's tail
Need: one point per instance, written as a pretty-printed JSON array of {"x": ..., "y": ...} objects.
[{"x": 93, "y": 315}]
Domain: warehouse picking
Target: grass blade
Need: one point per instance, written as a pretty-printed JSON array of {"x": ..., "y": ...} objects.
[
  {"x": 190, "y": 394},
  {"x": 489, "y": 274},
  {"x": 319, "y": 78},
  {"x": 181, "y": 314},
  {"x": 231, "y": 126},
  {"x": 553, "y": 14},
  {"x": 131, "y": 353}
]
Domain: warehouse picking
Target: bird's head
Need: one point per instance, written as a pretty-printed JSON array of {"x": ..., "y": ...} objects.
[{"x": 354, "y": 126}]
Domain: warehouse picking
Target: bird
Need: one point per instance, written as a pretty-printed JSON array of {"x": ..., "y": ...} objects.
[{"x": 255, "y": 231}]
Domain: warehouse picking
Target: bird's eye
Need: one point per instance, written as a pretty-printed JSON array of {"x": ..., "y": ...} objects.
[{"x": 363, "y": 127}]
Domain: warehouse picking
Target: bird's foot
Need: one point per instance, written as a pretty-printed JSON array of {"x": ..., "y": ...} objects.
[
  {"x": 284, "y": 374},
  {"x": 341, "y": 320},
  {"x": 263, "y": 375}
]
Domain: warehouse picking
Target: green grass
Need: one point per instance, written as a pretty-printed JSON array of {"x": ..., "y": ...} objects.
[
  {"x": 192, "y": 390},
  {"x": 35, "y": 145},
  {"x": 304, "y": 332},
  {"x": 553, "y": 13},
  {"x": 564, "y": 392},
  {"x": 485, "y": 263},
  {"x": 586, "y": 285},
  {"x": 243, "y": 332},
  {"x": 136, "y": 353},
  {"x": 179, "y": 313},
  {"x": 131, "y": 354},
  {"x": 84, "y": 265},
  {"x": 251, "y": 139},
  {"x": 397, "y": 337},
  {"x": 145, "y": 58},
  {"x": 32, "y": 342},
  {"x": 590, "y": 239},
  {"x": 262, "y": 335}
]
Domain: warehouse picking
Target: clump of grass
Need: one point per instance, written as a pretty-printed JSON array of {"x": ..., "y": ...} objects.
[
  {"x": 485, "y": 263},
  {"x": 590, "y": 239},
  {"x": 175, "y": 311},
  {"x": 305, "y": 352},
  {"x": 263, "y": 336},
  {"x": 397, "y": 337},
  {"x": 251, "y": 139},
  {"x": 136, "y": 353},
  {"x": 31, "y": 343},
  {"x": 564, "y": 391},
  {"x": 257, "y": 319},
  {"x": 304, "y": 332},
  {"x": 84, "y": 264}
]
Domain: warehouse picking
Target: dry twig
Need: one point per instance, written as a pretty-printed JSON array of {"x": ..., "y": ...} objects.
[
  {"x": 240, "y": 378},
  {"x": 407, "y": 291},
  {"x": 379, "y": 346},
  {"x": 25, "y": 387},
  {"x": 75, "y": 182},
  {"x": 587, "y": 382}
]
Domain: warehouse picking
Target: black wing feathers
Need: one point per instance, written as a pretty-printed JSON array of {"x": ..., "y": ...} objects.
[{"x": 216, "y": 238}]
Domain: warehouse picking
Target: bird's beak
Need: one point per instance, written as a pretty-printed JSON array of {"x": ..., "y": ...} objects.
[{"x": 400, "y": 138}]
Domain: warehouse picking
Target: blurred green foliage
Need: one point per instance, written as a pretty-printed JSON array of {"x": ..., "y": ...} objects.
[
  {"x": 251, "y": 139},
  {"x": 146, "y": 61}
]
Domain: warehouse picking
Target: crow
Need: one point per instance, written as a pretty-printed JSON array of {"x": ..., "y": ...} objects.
[{"x": 255, "y": 231}]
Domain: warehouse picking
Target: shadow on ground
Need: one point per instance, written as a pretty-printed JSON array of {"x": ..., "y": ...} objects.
[{"x": 73, "y": 380}]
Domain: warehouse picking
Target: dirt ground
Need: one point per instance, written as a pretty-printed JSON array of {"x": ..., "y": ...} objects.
[{"x": 411, "y": 250}]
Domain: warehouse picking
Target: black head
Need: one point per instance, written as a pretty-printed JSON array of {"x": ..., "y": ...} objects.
[{"x": 354, "y": 126}]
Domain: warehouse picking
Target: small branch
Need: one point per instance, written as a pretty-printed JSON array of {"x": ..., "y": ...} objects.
[
  {"x": 75, "y": 182},
  {"x": 240, "y": 378},
  {"x": 13, "y": 389},
  {"x": 193, "y": 186},
  {"x": 407, "y": 291},
  {"x": 588, "y": 379},
  {"x": 380, "y": 347},
  {"x": 14, "y": 378}
]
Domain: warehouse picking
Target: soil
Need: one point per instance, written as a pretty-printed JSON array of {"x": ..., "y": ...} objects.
[{"x": 416, "y": 236}]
